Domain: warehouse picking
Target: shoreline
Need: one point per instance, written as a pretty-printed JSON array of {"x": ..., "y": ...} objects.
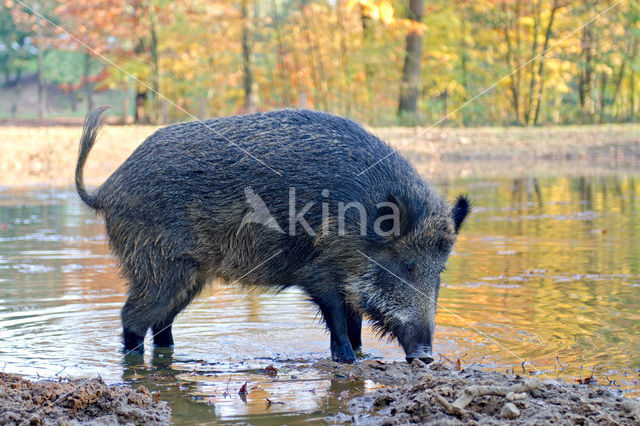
[
  {"x": 46, "y": 155},
  {"x": 78, "y": 401},
  {"x": 457, "y": 395},
  {"x": 397, "y": 393}
]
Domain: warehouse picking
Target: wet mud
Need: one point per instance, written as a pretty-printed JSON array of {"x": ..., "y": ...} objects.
[
  {"x": 452, "y": 395},
  {"x": 77, "y": 401}
]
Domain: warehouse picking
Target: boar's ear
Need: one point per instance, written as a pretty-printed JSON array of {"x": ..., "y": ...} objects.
[
  {"x": 460, "y": 211},
  {"x": 392, "y": 219}
]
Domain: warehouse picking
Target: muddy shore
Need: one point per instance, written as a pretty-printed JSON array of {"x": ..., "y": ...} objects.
[
  {"x": 45, "y": 155},
  {"x": 77, "y": 401},
  {"x": 443, "y": 394}
]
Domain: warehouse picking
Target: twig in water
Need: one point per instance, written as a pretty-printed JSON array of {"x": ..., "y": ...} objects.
[
  {"x": 523, "y": 370},
  {"x": 63, "y": 368},
  {"x": 226, "y": 392},
  {"x": 561, "y": 366},
  {"x": 581, "y": 374}
]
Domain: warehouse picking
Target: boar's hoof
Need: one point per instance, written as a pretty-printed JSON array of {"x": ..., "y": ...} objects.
[
  {"x": 132, "y": 342},
  {"x": 163, "y": 338},
  {"x": 343, "y": 354}
]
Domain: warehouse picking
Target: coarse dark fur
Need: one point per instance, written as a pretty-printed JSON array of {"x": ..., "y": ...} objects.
[{"x": 174, "y": 209}]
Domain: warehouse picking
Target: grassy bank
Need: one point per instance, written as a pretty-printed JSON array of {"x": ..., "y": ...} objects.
[{"x": 46, "y": 154}]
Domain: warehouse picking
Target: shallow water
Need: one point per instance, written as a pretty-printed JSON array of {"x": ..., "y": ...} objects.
[{"x": 545, "y": 272}]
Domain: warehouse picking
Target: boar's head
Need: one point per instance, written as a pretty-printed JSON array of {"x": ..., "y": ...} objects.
[{"x": 399, "y": 278}]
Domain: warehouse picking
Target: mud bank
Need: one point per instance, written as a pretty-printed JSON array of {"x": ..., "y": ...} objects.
[
  {"x": 439, "y": 394},
  {"x": 77, "y": 401},
  {"x": 38, "y": 154}
]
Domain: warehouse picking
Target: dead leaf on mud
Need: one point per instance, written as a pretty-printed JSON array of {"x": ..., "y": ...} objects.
[
  {"x": 243, "y": 389},
  {"x": 271, "y": 370},
  {"x": 589, "y": 380}
]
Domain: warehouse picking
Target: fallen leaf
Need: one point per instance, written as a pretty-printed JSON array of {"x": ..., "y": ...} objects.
[
  {"x": 271, "y": 370},
  {"x": 243, "y": 389},
  {"x": 269, "y": 402}
]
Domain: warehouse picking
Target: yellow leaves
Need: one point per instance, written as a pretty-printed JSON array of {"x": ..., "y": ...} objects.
[
  {"x": 527, "y": 21},
  {"x": 380, "y": 10},
  {"x": 616, "y": 59}
]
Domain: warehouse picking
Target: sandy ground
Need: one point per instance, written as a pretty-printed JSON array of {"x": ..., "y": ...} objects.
[
  {"x": 78, "y": 401},
  {"x": 450, "y": 395},
  {"x": 41, "y": 154}
]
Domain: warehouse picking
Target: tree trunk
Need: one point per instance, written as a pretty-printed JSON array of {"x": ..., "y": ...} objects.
[
  {"x": 369, "y": 71},
  {"x": 532, "y": 65},
  {"x": 247, "y": 53},
  {"x": 141, "y": 98},
  {"x": 632, "y": 82},
  {"x": 155, "y": 69},
  {"x": 18, "y": 92},
  {"x": 317, "y": 71},
  {"x": 284, "y": 74},
  {"x": 603, "y": 91},
  {"x": 585, "y": 80},
  {"x": 42, "y": 94},
  {"x": 545, "y": 46},
  {"x": 616, "y": 90},
  {"x": 411, "y": 72},
  {"x": 515, "y": 92},
  {"x": 88, "y": 84}
]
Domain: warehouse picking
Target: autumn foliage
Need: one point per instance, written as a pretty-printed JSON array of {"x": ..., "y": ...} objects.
[{"x": 507, "y": 61}]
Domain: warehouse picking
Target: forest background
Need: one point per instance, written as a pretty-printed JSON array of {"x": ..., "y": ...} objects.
[{"x": 381, "y": 62}]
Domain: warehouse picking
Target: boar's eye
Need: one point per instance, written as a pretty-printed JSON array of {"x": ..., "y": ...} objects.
[{"x": 409, "y": 266}]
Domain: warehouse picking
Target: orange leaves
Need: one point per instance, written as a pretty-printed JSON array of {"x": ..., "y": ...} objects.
[{"x": 378, "y": 10}]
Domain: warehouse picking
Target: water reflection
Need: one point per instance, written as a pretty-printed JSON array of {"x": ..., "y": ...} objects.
[{"x": 546, "y": 270}]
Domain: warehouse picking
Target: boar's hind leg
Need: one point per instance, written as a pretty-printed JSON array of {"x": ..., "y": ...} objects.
[
  {"x": 155, "y": 303},
  {"x": 161, "y": 330},
  {"x": 334, "y": 311},
  {"x": 354, "y": 328}
]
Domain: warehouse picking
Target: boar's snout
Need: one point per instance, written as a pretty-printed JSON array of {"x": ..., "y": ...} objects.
[{"x": 423, "y": 353}]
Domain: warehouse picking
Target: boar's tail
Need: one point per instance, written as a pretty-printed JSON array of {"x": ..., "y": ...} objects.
[{"x": 92, "y": 124}]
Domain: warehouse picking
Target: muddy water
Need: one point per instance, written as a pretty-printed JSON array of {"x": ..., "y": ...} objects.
[{"x": 546, "y": 272}]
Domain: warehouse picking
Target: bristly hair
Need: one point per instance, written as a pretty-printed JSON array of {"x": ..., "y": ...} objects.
[{"x": 381, "y": 328}]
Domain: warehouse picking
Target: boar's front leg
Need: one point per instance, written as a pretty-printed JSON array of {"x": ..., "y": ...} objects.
[
  {"x": 334, "y": 311},
  {"x": 354, "y": 328}
]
